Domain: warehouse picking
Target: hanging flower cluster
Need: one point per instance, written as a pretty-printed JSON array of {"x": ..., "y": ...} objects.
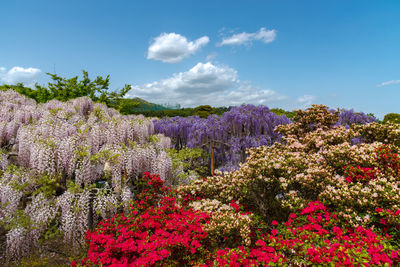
[
  {"x": 231, "y": 134},
  {"x": 65, "y": 166}
]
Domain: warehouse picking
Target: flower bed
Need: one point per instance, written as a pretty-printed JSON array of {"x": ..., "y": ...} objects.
[{"x": 169, "y": 233}]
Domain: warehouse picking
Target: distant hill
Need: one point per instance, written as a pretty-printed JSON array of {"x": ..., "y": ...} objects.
[{"x": 147, "y": 106}]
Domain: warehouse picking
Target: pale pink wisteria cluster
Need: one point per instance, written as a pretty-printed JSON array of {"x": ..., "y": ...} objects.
[
  {"x": 105, "y": 204},
  {"x": 57, "y": 159}
]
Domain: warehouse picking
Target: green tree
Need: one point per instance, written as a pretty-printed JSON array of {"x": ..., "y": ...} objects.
[
  {"x": 126, "y": 105},
  {"x": 279, "y": 111},
  {"x": 64, "y": 89},
  {"x": 203, "y": 111},
  {"x": 392, "y": 117}
]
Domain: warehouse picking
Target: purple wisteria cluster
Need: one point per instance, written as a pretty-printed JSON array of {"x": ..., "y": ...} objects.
[
  {"x": 243, "y": 127},
  {"x": 231, "y": 134},
  {"x": 347, "y": 117},
  {"x": 54, "y": 155}
]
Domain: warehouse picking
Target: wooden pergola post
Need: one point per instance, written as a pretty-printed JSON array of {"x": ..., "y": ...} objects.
[{"x": 212, "y": 157}]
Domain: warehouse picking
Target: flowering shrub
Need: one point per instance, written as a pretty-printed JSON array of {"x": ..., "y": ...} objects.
[
  {"x": 313, "y": 163},
  {"x": 375, "y": 187},
  {"x": 171, "y": 234},
  {"x": 163, "y": 234},
  {"x": 358, "y": 173},
  {"x": 315, "y": 236},
  {"x": 226, "y": 221},
  {"x": 156, "y": 231},
  {"x": 312, "y": 237},
  {"x": 388, "y": 160},
  {"x": 389, "y": 223},
  {"x": 150, "y": 189},
  {"x": 387, "y": 133}
]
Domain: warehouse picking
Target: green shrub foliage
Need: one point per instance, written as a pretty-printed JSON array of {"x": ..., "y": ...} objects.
[{"x": 392, "y": 117}]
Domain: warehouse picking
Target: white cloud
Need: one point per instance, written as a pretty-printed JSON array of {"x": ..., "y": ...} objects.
[
  {"x": 27, "y": 76},
  {"x": 306, "y": 100},
  {"x": 205, "y": 83},
  {"x": 173, "y": 47},
  {"x": 244, "y": 38},
  {"x": 249, "y": 94},
  {"x": 389, "y": 83}
]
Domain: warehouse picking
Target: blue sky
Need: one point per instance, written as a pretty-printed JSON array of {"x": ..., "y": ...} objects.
[{"x": 286, "y": 54}]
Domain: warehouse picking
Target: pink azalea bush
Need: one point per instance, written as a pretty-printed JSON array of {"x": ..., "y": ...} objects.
[
  {"x": 388, "y": 221},
  {"x": 155, "y": 230},
  {"x": 313, "y": 237},
  {"x": 167, "y": 234}
]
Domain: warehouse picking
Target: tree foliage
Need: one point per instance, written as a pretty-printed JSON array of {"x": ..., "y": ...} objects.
[
  {"x": 64, "y": 89},
  {"x": 392, "y": 117},
  {"x": 203, "y": 111}
]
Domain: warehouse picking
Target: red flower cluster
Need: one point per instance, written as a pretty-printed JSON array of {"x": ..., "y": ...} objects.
[
  {"x": 151, "y": 188},
  {"x": 313, "y": 237},
  {"x": 316, "y": 237},
  {"x": 389, "y": 223},
  {"x": 388, "y": 160},
  {"x": 359, "y": 173},
  {"x": 162, "y": 234},
  {"x": 261, "y": 255},
  {"x": 150, "y": 234}
]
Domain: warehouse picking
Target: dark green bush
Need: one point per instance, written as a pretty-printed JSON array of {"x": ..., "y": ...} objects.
[{"x": 392, "y": 117}]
